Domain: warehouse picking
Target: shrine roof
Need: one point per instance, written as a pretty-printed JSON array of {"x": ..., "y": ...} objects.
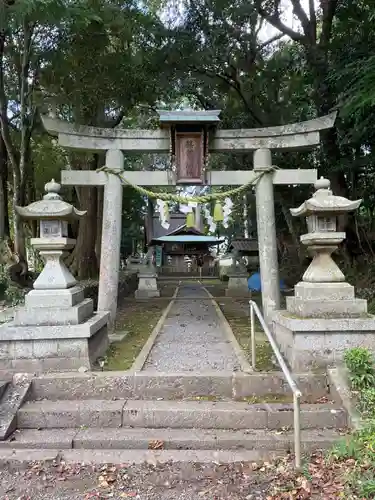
[
  {"x": 176, "y": 225},
  {"x": 189, "y": 116},
  {"x": 189, "y": 238},
  {"x": 183, "y": 230},
  {"x": 244, "y": 245}
]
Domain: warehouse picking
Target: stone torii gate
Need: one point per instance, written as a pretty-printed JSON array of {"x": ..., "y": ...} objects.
[{"x": 261, "y": 141}]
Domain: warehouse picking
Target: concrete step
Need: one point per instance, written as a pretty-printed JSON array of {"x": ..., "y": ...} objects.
[
  {"x": 175, "y": 414},
  {"x": 227, "y": 415},
  {"x": 3, "y": 386},
  {"x": 25, "y": 456},
  {"x": 13, "y": 397},
  {"x": 143, "y": 439},
  {"x": 155, "y": 385}
]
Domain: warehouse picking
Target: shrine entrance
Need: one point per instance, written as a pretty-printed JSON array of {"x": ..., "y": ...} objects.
[
  {"x": 181, "y": 251},
  {"x": 189, "y": 137}
]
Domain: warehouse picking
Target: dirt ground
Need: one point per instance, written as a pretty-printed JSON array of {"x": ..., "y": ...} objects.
[
  {"x": 145, "y": 482},
  {"x": 188, "y": 481}
]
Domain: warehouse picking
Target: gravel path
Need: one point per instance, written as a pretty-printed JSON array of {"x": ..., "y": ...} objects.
[{"x": 191, "y": 338}]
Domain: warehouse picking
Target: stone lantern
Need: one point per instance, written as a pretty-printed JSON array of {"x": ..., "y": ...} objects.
[
  {"x": 323, "y": 289},
  {"x": 57, "y": 328},
  {"x": 53, "y": 215},
  {"x": 324, "y": 318}
]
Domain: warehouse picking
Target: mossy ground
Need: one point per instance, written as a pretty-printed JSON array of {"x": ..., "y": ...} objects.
[
  {"x": 266, "y": 398},
  {"x": 167, "y": 289},
  {"x": 139, "y": 318},
  {"x": 237, "y": 313},
  {"x": 215, "y": 287}
]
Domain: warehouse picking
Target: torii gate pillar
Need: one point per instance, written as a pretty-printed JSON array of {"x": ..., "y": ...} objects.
[
  {"x": 266, "y": 227},
  {"x": 111, "y": 236}
]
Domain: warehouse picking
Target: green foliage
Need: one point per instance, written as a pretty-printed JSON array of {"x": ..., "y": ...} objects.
[
  {"x": 133, "y": 214},
  {"x": 360, "y": 364},
  {"x": 366, "y": 403},
  {"x": 359, "y": 448},
  {"x": 367, "y": 488},
  {"x": 14, "y": 295},
  {"x": 48, "y": 160},
  {"x": 347, "y": 448},
  {"x": 3, "y": 282},
  {"x": 9, "y": 292}
]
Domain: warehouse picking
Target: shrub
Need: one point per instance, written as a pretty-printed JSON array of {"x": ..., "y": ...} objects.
[
  {"x": 359, "y": 449},
  {"x": 15, "y": 295},
  {"x": 3, "y": 282},
  {"x": 360, "y": 364},
  {"x": 366, "y": 403}
]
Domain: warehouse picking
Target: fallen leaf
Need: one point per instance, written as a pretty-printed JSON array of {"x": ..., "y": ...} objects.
[
  {"x": 156, "y": 444},
  {"x": 203, "y": 493}
]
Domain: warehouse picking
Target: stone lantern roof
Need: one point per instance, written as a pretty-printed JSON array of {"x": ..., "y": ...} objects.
[
  {"x": 324, "y": 201},
  {"x": 51, "y": 207}
]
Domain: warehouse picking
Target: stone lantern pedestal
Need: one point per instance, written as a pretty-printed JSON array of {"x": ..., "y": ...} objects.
[
  {"x": 238, "y": 275},
  {"x": 237, "y": 285},
  {"x": 147, "y": 285},
  {"x": 57, "y": 328},
  {"x": 324, "y": 318},
  {"x": 147, "y": 279}
]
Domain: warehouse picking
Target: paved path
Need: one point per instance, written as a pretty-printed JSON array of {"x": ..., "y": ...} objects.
[{"x": 191, "y": 338}]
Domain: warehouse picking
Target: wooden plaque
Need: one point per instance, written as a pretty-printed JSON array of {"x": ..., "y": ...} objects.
[{"x": 189, "y": 157}]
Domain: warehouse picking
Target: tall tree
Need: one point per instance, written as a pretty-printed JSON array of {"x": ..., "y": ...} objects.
[
  {"x": 315, "y": 39},
  {"x": 26, "y": 35}
]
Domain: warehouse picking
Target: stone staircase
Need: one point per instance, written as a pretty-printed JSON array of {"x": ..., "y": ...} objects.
[{"x": 158, "y": 417}]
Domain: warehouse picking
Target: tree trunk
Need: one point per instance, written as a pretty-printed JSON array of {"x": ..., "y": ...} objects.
[
  {"x": 31, "y": 197},
  {"x": 4, "y": 213},
  {"x": 18, "y": 230},
  {"x": 289, "y": 222},
  {"x": 84, "y": 262}
]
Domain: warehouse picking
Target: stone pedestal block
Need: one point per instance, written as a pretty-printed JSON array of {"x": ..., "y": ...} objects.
[
  {"x": 324, "y": 291},
  {"x": 325, "y": 300},
  {"x": 56, "y": 330},
  {"x": 237, "y": 286},
  {"x": 326, "y": 308},
  {"x": 147, "y": 286},
  {"x": 56, "y": 298},
  {"x": 318, "y": 343},
  {"x": 53, "y": 347},
  {"x": 74, "y": 315}
]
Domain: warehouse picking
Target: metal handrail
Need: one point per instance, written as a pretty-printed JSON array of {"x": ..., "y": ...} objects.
[{"x": 292, "y": 384}]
